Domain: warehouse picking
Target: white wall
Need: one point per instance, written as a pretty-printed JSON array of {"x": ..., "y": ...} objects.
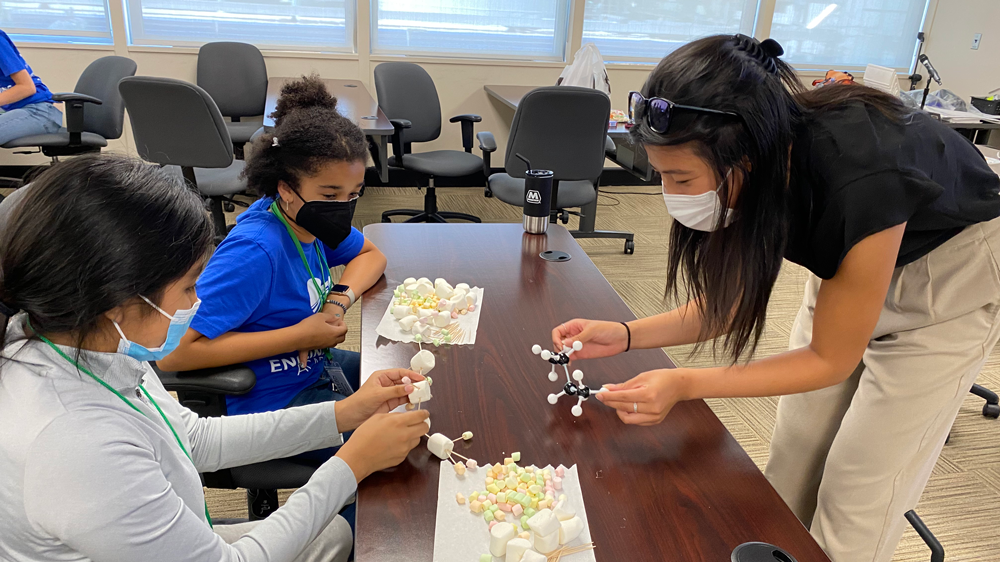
[{"x": 949, "y": 46}]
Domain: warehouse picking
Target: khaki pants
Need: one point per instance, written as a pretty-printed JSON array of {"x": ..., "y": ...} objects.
[
  {"x": 333, "y": 544},
  {"x": 851, "y": 459}
]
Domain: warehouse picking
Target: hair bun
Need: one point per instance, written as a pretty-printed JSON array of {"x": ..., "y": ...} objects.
[
  {"x": 765, "y": 53},
  {"x": 772, "y": 48},
  {"x": 305, "y": 93}
]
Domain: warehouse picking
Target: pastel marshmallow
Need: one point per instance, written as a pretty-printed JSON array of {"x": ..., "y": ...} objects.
[
  {"x": 422, "y": 363},
  {"x": 560, "y": 471},
  {"x": 440, "y": 445},
  {"x": 570, "y": 529},
  {"x": 421, "y": 392},
  {"x": 499, "y": 515},
  {"x": 516, "y": 548},
  {"x": 500, "y": 535},
  {"x": 459, "y": 469},
  {"x": 460, "y": 498},
  {"x": 564, "y": 512},
  {"x": 467, "y": 435},
  {"x": 543, "y": 523},
  {"x": 517, "y": 510},
  {"x": 407, "y": 322},
  {"x": 399, "y": 311},
  {"x": 547, "y": 543},
  {"x": 557, "y": 483},
  {"x": 471, "y": 464},
  {"x": 476, "y": 506}
]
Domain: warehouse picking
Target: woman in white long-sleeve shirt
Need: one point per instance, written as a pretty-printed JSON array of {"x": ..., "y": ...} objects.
[{"x": 97, "y": 461}]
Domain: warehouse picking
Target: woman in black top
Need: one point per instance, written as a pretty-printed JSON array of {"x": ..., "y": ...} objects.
[{"x": 895, "y": 216}]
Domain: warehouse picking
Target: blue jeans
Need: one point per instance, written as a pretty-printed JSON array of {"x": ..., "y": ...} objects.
[{"x": 32, "y": 119}]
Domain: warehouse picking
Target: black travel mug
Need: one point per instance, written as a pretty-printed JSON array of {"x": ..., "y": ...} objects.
[{"x": 537, "y": 198}]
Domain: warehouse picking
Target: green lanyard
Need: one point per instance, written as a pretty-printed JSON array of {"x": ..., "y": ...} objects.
[
  {"x": 126, "y": 400},
  {"x": 298, "y": 246}
]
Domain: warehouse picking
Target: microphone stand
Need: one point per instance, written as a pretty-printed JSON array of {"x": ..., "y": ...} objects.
[{"x": 927, "y": 90}]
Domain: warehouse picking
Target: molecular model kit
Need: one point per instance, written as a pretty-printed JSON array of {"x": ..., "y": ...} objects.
[{"x": 574, "y": 386}]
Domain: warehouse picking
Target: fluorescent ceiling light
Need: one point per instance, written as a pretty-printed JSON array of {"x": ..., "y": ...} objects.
[{"x": 822, "y": 16}]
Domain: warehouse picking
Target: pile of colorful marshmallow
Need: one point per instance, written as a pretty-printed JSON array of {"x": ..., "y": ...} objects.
[
  {"x": 520, "y": 506},
  {"x": 418, "y": 305}
]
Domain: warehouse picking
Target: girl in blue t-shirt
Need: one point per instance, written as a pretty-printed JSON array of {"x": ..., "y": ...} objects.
[
  {"x": 268, "y": 299},
  {"x": 25, "y": 103}
]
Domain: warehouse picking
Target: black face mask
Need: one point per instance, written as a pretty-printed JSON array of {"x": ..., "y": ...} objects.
[{"x": 330, "y": 221}]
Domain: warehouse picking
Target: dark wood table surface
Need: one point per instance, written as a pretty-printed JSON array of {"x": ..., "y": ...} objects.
[{"x": 681, "y": 491}]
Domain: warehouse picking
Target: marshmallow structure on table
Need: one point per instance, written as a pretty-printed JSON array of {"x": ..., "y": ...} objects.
[
  {"x": 440, "y": 445},
  {"x": 570, "y": 529},
  {"x": 544, "y": 522},
  {"x": 547, "y": 543},
  {"x": 421, "y": 392},
  {"x": 516, "y": 549},
  {"x": 500, "y": 535},
  {"x": 422, "y": 362}
]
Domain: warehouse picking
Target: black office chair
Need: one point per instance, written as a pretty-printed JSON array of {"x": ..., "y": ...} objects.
[
  {"x": 235, "y": 75},
  {"x": 177, "y": 123},
  {"x": 992, "y": 407},
  {"x": 563, "y": 129},
  {"x": 204, "y": 392},
  {"x": 937, "y": 551},
  {"x": 87, "y": 129},
  {"x": 407, "y": 96}
]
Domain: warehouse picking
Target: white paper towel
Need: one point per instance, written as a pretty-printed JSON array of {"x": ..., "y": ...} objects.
[
  {"x": 461, "y": 536},
  {"x": 389, "y": 328}
]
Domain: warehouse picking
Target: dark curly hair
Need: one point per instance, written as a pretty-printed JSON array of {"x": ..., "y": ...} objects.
[{"x": 310, "y": 133}]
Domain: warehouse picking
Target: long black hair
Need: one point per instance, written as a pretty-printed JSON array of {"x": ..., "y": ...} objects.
[
  {"x": 731, "y": 271},
  {"x": 309, "y": 131},
  {"x": 92, "y": 234}
]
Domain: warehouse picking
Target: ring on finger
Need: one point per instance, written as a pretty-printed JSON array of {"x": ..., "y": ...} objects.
[{"x": 635, "y": 407}]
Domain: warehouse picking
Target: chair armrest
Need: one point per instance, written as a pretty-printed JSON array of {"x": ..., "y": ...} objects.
[
  {"x": 399, "y": 125},
  {"x": 488, "y": 145},
  {"x": 230, "y": 380},
  {"x": 74, "y": 113},
  {"x": 467, "y": 121}
]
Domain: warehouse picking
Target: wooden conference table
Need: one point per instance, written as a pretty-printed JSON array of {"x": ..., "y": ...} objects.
[
  {"x": 628, "y": 156},
  {"x": 683, "y": 490},
  {"x": 353, "y": 102}
]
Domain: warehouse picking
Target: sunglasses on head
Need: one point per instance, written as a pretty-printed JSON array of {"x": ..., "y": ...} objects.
[{"x": 658, "y": 111}]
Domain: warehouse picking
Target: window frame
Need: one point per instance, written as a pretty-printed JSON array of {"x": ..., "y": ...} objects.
[{"x": 65, "y": 37}]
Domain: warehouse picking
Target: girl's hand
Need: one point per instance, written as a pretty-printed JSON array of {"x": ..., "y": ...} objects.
[
  {"x": 600, "y": 339},
  {"x": 647, "y": 398},
  {"x": 382, "y": 392},
  {"x": 383, "y": 441},
  {"x": 321, "y": 330}
]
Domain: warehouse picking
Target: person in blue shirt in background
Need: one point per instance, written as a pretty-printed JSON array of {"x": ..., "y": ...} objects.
[
  {"x": 268, "y": 299},
  {"x": 25, "y": 101}
]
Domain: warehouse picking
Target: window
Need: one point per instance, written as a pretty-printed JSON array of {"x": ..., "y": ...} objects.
[
  {"x": 648, "y": 30},
  {"x": 307, "y": 25},
  {"x": 515, "y": 29},
  {"x": 66, "y": 21},
  {"x": 823, "y": 35}
]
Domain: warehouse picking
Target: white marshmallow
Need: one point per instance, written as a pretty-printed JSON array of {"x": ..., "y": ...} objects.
[
  {"x": 443, "y": 289},
  {"x": 421, "y": 392},
  {"x": 422, "y": 362},
  {"x": 544, "y": 523},
  {"x": 458, "y": 302},
  {"x": 516, "y": 548},
  {"x": 440, "y": 445},
  {"x": 427, "y": 420},
  {"x": 406, "y": 323},
  {"x": 399, "y": 311},
  {"x": 424, "y": 289},
  {"x": 409, "y": 281},
  {"x": 424, "y": 312},
  {"x": 532, "y": 556},
  {"x": 570, "y": 529},
  {"x": 471, "y": 298},
  {"x": 445, "y": 305},
  {"x": 546, "y": 543},
  {"x": 442, "y": 319},
  {"x": 420, "y": 329},
  {"x": 424, "y": 280},
  {"x": 564, "y": 512},
  {"x": 463, "y": 287},
  {"x": 500, "y": 535}
]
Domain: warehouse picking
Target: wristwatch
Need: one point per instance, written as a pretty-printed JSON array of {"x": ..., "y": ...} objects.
[{"x": 343, "y": 290}]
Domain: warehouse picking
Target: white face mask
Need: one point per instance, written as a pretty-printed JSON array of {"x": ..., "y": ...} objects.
[{"x": 699, "y": 212}]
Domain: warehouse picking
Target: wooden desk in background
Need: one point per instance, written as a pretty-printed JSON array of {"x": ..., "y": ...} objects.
[
  {"x": 682, "y": 490},
  {"x": 353, "y": 102},
  {"x": 627, "y": 155}
]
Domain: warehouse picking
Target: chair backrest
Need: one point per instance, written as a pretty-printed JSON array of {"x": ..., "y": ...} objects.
[
  {"x": 560, "y": 128},
  {"x": 406, "y": 91},
  {"x": 100, "y": 79},
  {"x": 175, "y": 122},
  {"x": 235, "y": 75}
]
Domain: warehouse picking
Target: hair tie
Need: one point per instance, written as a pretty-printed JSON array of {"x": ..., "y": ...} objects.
[
  {"x": 765, "y": 52},
  {"x": 274, "y": 141},
  {"x": 8, "y": 310}
]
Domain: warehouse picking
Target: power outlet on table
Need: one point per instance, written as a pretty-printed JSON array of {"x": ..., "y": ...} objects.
[{"x": 976, "y": 39}]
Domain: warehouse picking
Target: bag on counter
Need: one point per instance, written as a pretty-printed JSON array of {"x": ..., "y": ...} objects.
[{"x": 586, "y": 71}]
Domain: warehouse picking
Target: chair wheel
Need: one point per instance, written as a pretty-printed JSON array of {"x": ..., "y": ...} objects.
[
  {"x": 991, "y": 411},
  {"x": 629, "y": 247},
  {"x": 228, "y": 207},
  {"x": 386, "y": 219},
  {"x": 564, "y": 217},
  {"x": 488, "y": 193}
]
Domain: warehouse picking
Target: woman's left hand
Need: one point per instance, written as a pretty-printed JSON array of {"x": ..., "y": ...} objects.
[
  {"x": 381, "y": 393},
  {"x": 647, "y": 398}
]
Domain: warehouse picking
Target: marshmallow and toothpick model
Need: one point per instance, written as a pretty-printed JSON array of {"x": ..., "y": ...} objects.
[{"x": 574, "y": 386}]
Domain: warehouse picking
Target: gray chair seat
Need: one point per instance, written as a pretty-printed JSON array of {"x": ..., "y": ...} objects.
[
  {"x": 242, "y": 131},
  {"x": 60, "y": 138},
  {"x": 610, "y": 148},
  {"x": 447, "y": 163},
  {"x": 571, "y": 193},
  {"x": 216, "y": 182}
]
